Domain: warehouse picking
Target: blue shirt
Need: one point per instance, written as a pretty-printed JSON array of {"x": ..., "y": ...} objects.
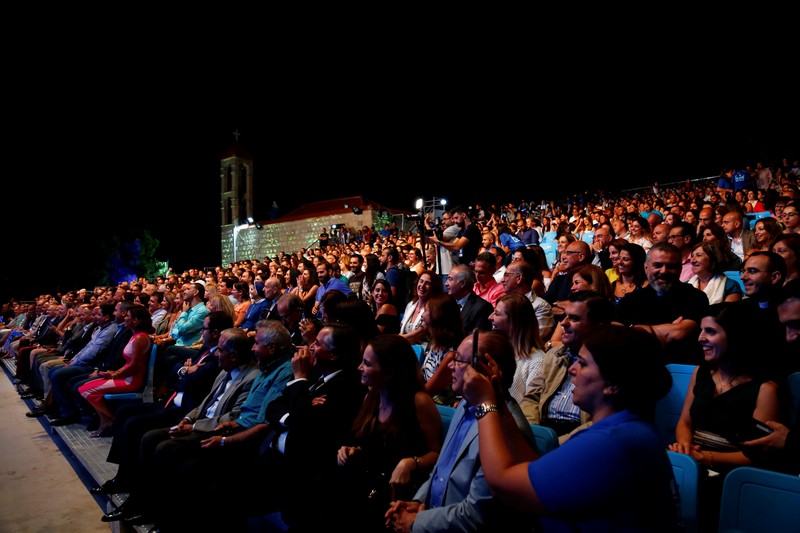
[
  {"x": 613, "y": 476},
  {"x": 333, "y": 283},
  {"x": 187, "y": 328},
  {"x": 267, "y": 386}
]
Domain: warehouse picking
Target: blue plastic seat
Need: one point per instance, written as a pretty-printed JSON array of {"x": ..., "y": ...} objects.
[
  {"x": 755, "y": 217},
  {"x": 588, "y": 237},
  {"x": 735, "y": 275},
  {"x": 668, "y": 408},
  {"x": 446, "y": 413},
  {"x": 687, "y": 476},
  {"x": 549, "y": 236},
  {"x": 757, "y": 500},
  {"x": 144, "y": 394},
  {"x": 420, "y": 351},
  {"x": 546, "y": 438}
]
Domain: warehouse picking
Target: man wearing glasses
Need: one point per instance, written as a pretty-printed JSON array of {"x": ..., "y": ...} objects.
[
  {"x": 762, "y": 276},
  {"x": 682, "y": 236}
]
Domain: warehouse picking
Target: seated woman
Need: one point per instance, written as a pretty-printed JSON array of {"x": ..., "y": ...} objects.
[
  {"x": 787, "y": 245},
  {"x": 715, "y": 233},
  {"x": 387, "y": 316},
  {"x": 444, "y": 328},
  {"x": 514, "y": 316},
  {"x": 396, "y": 438},
  {"x": 591, "y": 278},
  {"x": 130, "y": 377},
  {"x": 632, "y": 276},
  {"x": 614, "y": 248},
  {"x": 707, "y": 259},
  {"x": 765, "y": 231},
  {"x": 723, "y": 397},
  {"x": 614, "y": 475}
]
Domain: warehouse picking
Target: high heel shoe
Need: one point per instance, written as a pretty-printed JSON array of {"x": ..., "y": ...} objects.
[{"x": 102, "y": 432}]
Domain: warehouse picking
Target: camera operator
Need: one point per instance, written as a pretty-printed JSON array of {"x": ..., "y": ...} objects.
[{"x": 466, "y": 243}]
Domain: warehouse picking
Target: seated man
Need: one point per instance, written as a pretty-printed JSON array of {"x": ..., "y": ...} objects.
[
  {"x": 456, "y": 496},
  {"x": 666, "y": 307}
]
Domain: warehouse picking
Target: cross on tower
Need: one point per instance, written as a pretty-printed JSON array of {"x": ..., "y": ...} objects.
[{"x": 236, "y": 134}]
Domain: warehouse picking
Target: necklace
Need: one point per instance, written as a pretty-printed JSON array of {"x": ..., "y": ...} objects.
[{"x": 628, "y": 287}]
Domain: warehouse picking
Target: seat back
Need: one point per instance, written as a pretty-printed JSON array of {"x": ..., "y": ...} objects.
[
  {"x": 794, "y": 393},
  {"x": 420, "y": 351},
  {"x": 446, "y": 413},
  {"x": 588, "y": 237},
  {"x": 144, "y": 394},
  {"x": 668, "y": 408},
  {"x": 757, "y": 500},
  {"x": 546, "y": 438},
  {"x": 687, "y": 476},
  {"x": 549, "y": 249},
  {"x": 548, "y": 236},
  {"x": 755, "y": 217},
  {"x": 736, "y": 276}
]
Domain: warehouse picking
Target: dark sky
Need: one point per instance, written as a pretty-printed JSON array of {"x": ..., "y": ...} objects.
[{"x": 94, "y": 164}]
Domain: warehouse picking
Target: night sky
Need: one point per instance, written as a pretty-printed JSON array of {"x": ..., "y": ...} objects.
[{"x": 80, "y": 169}]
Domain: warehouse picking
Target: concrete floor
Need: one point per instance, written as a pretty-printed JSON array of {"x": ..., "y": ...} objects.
[{"x": 40, "y": 490}]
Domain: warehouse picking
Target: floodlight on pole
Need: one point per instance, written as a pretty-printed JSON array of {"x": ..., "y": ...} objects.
[{"x": 236, "y": 231}]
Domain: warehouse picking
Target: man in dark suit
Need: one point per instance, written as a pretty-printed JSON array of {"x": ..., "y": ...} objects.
[
  {"x": 309, "y": 421},
  {"x": 475, "y": 310}
]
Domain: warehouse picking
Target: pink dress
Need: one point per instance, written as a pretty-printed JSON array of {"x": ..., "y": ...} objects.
[{"x": 94, "y": 390}]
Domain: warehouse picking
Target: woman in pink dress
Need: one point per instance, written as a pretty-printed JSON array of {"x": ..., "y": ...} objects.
[{"x": 130, "y": 377}]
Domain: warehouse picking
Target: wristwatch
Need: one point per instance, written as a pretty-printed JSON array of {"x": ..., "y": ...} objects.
[{"x": 481, "y": 410}]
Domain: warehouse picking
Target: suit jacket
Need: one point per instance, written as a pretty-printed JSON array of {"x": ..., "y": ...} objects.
[
  {"x": 112, "y": 358},
  {"x": 314, "y": 433},
  {"x": 197, "y": 385},
  {"x": 468, "y": 504},
  {"x": 230, "y": 403},
  {"x": 270, "y": 311},
  {"x": 748, "y": 239},
  {"x": 475, "y": 313}
]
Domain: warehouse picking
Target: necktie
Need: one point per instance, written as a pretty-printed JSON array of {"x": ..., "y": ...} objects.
[
  {"x": 320, "y": 382},
  {"x": 169, "y": 401},
  {"x": 212, "y": 407}
]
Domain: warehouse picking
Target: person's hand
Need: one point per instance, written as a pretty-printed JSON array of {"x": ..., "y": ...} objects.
[
  {"x": 183, "y": 428},
  {"x": 776, "y": 439},
  {"x": 680, "y": 447},
  {"x": 479, "y": 388},
  {"x": 302, "y": 362},
  {"x": 308, "y": 330},
  {"x": 319, "y": 400},
  {"x": 402, "y": 473},
  {"x": 401, "y": 515},
  {"x": 345, "y": 453},
  {"x": 211, "y": 442}
]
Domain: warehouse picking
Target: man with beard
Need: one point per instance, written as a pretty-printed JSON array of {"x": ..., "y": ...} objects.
[
  {"x": 667, "y": 308},
  {"x": 468, "y": 241}
]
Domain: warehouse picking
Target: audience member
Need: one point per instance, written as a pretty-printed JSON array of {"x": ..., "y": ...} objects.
[
  {"x": 723, "y": 398},
  {"x": 787, "y": 245},
  {"x": 548, "y": 402},
  {"x": 475, "y": 310},
  {"x": 455, "y": 496},
  {"x": 514, "y": 316},
  {"x": 130, "y": 377},
  {"x": 707, "y": 261},
  {"x": 411, "y": 325},
  {"x": 395, "y": 440},
  {"x": 485, "y": 285},
  {"x": 667, "y": 308},
  {"x": 442, "y": 322},
  {"x": 614, "y": 475},
  {"x": 387, "y": 316},
  {"x": 517, "y": 279}
]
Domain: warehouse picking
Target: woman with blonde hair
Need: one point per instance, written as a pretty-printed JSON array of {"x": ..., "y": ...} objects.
[{"x": 514, "y": 315}]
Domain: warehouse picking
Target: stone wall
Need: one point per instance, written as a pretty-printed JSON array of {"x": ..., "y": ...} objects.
[{"x": 288, "y": 236}]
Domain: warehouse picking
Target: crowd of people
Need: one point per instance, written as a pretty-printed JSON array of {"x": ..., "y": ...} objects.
[{"x": 324, "y": 367}]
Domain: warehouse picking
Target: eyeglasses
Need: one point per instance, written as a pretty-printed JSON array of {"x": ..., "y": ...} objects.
[
  {"x": 752, "y": 271},
  {"x": 789, "y": 213},
  {"x": 204, "y": 328},
  {"x": 675, "y": 237},
  {"x": 571, "y": 252},
  {"x": 462, "y": 361}
]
